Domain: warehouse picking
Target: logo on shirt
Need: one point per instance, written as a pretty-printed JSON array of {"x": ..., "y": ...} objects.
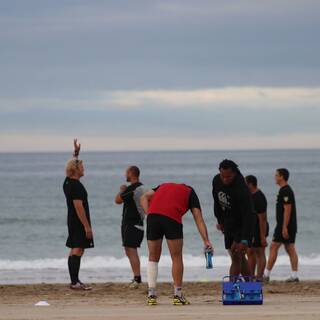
[
  {"x": 286, "y": 199},
  {"x": 224, "y": 200}
]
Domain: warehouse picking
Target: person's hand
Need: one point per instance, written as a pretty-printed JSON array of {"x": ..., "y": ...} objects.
[
  {"x": 123, "y": 188},
  {"x": 220, "y": 227},
  {"x": 285, "y": 233},
  {"x": 208, "y": 245},
  {"x": 76, "y": 148},
  {"x": 89, "y": 233},
  {"x": 264, "y": 242}
]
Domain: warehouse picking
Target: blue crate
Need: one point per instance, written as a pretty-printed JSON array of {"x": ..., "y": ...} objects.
[{"x": 241, "y": 292}]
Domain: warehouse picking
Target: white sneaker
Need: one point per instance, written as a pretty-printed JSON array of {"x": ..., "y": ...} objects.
[
  {"x": 134, "y": 284},
  {"x": 80, "y": 286},
  {"x": 292, "y": 280}
]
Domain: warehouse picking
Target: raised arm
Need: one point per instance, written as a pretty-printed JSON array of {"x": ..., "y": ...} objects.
[
  {"x": 119, "y": 196},
  {"x": 76, "y": 148}
]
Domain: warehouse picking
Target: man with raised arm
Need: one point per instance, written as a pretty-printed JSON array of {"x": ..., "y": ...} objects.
[{"x": 80, "y": 235}]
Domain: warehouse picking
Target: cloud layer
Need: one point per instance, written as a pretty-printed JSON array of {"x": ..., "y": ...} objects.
[{"x": 181, "y": 73}]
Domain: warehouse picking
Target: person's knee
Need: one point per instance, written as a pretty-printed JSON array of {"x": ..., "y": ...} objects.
[
  {"x": 130, "y": 252},
  {"x": 237, "y": 257},
  {"x": 290, "y": 249},
  {"x": 274, "y": 247},
  {"x": 77, "y": 252},
  {"x": 250, "y": 253}
]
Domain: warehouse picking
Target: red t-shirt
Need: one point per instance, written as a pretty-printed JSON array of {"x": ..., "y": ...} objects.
[{"x": 173, "y": 200}]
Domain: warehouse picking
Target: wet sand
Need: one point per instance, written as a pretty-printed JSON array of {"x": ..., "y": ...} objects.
[{"x": 117, "y": 301}]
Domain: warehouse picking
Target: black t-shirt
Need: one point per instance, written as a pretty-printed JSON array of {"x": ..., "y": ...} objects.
[
  {"x": 260, "y": 206},
  {"x": 286, "y": 196},
  {"x": 233, "y": 206},
  {"x": 259, "y": 202},
  {"x": 130, "y": 213},
  {"x": 74, "y": 190}
]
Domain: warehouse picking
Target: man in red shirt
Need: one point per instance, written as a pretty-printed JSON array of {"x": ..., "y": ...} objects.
[{"x": 165, "y": 206}]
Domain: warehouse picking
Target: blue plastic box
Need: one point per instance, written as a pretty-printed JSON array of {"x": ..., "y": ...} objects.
[{"x": 241, "y": 292}]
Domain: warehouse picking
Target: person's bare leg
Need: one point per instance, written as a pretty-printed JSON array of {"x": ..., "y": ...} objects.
[
  {"x": 252, "y": 260},
  {"x": 175, "y": 249},
  {"x": 245, "y": 269},
  {"x": 294, "y": 260},
  {"x": 133, "y": 256},
  {"x": 235, "y": 267},
  {"x": 76, "y": 252},
  {"x": 261, "y": 262},
  {"x": 273, "y": 254}
]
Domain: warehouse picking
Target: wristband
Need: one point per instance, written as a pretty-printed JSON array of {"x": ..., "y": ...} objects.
[{"x": 245, "y": 242}]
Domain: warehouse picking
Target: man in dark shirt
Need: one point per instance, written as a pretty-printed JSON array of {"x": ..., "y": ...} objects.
[
  {"x": 79, "y": 225},
  {"x": 256, "y": 254},
  {"x": 132, "y": 221},
  {"x": 165, "y": 206},
  {"x": 286, "y": 228},
  {"x": 233, "y": 208}
]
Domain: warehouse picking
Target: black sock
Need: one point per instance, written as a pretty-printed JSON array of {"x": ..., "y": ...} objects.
[
  {"x": 74, "y": 267},
  {"x": 137, "y": 279}
]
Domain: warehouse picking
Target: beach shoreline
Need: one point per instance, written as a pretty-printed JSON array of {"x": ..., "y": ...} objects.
[{"x": 116, "y": 301}]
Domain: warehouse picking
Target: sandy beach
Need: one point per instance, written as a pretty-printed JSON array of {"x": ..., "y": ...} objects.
[{"x": 116, "y": 301}]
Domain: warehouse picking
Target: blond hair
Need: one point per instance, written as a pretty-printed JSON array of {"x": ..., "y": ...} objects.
[{"x": 72, "y": 167}]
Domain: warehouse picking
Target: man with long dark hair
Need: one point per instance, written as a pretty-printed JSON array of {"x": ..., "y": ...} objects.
[{"x": 234, "y": 211}]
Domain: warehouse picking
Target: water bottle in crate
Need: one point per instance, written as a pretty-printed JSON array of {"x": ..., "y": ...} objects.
[{"x": 241, "y": 290}]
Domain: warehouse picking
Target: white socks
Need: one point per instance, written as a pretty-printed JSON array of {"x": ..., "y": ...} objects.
[
  {"x": 267, "y": 273},
  {"x": 178, "y": 291},
  {"x": 294, "y": 274},
  {"x": 152, "y": 273}
]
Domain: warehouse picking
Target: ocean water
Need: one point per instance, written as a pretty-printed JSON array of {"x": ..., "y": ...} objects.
[{"x": 33, "y": 211}]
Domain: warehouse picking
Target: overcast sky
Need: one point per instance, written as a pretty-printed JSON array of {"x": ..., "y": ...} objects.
[{"x": 159, "y": 74}]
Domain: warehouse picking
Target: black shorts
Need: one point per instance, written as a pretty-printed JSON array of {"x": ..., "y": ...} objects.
[
  {"x": 256, "y": 242},
  {"x": 159, "y": 225},
  {"x": 277, "y": 236},
  {"x": 230, "y": 237},
  {"x": 77, "y": 237},
  {"x": 132, "y": 235}
]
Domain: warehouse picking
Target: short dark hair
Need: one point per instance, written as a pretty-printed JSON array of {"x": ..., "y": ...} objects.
[
  {"x": 284, "y": 173},
  {"x": 135, "y": 171},
  {"x": 228, "y": 164},
  {"x": 252, "y": 180}
]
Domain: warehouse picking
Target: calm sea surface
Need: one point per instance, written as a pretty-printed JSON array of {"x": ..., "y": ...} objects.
[{"x": 33, "y": 210}]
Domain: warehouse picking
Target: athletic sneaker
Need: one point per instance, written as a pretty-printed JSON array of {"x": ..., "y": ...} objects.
[
  {"x": 134, "y": 284},
  {"x": 152, "y": 300},
  {"x": 80, "y": 286},
  {"x": 266, "y": 279},
  {"x": 292, "y": 279},
  {"x": 180, "y": 301}
]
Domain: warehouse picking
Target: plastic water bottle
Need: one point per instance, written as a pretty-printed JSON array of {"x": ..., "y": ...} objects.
[{"x": 209, "y": 257}]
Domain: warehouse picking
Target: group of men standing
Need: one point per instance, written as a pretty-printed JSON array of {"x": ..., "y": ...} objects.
[{"x": 239, "y": 207}]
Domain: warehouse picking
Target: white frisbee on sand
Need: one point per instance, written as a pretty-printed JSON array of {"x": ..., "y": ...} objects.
[{"x": 42, "y": 304}]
